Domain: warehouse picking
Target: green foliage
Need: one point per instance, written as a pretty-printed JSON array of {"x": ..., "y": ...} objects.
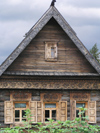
[
  {"x": 95, "y": 52},
  {"x": 76, "y": 126}
]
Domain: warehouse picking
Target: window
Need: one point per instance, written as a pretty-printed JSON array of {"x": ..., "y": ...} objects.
[
  {"x": 50, "y": 111},
  {"x": 19, "y": 111},
  {"x": 50, "y": 52},
  {"x": 91, "y": 110},
  {"x": 78, "y": 110}
]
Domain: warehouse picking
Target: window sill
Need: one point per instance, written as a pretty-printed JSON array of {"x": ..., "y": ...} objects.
[
  {"x": 51, "y": 59},
  {"x": 21, "y": 124}
]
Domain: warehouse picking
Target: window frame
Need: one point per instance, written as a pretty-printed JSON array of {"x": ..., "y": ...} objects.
[
  {"x": 50, "y": 110},
  {"x": 86, "y": 106},
  {"x": 48, "y": 51},
  {"x": 20, "y": 111}
]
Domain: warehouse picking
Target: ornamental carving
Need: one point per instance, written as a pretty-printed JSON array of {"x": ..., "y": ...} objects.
[
  {"x": 20, "y": 95},
  {"x": 49, "y": 84},
  {"x": 80, "y": 96},
  {"x": 50, "y": 97}
]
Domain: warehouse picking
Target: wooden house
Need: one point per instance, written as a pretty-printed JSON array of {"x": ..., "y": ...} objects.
[{"x": 51, "y": 73}]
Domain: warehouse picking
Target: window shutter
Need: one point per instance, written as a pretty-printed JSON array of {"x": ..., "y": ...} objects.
[
  {"x": 55, "y": 48},
  {"x": 92, "y": 111},
  {"x": 39, "y": 112},
  {"x": 36, "y": 111},
  {"x": 47, "y": 51},
  {"x": 63, "y": 110},
  {"x": 72, "y": 109},
  {"x": 8, "y": 112},
  {"x": 33, "y": 111}
]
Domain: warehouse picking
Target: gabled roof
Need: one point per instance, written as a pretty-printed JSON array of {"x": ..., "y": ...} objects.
[{"x": 51, "y": 12}]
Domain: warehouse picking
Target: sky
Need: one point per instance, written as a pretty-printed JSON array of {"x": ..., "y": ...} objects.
[{"x": 18, "y": 16}]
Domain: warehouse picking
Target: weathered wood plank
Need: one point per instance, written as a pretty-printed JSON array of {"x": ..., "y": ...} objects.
[{"x": 69, "y": 57}]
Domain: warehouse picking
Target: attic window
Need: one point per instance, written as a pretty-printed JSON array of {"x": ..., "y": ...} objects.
[{"x": 51, "y": 52}]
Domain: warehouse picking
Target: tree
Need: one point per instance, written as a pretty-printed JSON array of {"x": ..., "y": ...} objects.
[{"x": 95, "y": 52}]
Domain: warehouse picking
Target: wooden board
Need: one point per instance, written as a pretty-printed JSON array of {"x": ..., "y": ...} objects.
[{"x": 69, "y": 58}]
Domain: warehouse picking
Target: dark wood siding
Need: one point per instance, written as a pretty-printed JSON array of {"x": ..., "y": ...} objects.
[
  {"x": 69, "y": 58},
  {"x": 95, "y": 96},
  {"x": 4, "y": 96}
]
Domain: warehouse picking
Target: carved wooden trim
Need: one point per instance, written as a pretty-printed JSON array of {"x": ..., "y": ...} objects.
[
  {"x": 51, "y": 97},
  {"x": 20, "y": 96},
  {"x": 49, "y": 84},
  {"x": 80, "y": 96}
]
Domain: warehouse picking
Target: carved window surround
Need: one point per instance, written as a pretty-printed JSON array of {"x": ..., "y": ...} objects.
[
  {"x": 50, "y": 51},
  {"x": 51, "y": 97},
  {"x": 20, "y": 96},
  {"x": 80, "y": 96}
]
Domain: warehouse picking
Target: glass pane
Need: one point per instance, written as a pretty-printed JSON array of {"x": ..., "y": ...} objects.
[
  {"x": 16, "y": 113},
  {"x": 20, "y": 105},
  {"x": 23, "y": 119},
  {"x": 23, "y": 113},
  {"x": 54, "y": 115},
  {"x": 16, "y": 119},
  {"x": 52, "y": 52},
  {"x": 83, "y": 115},
  {"x": 77, "y": 111},
  {"x": 50, "y": 105},
  {"x": 46, "y": 115},
  {"x": 78, "y": 105}
]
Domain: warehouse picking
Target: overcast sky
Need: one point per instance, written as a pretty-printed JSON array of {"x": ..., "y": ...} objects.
[{"x": 18, "y": 16}]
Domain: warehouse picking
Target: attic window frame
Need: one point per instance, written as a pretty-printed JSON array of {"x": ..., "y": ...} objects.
[{"x": 48, "y": 51}]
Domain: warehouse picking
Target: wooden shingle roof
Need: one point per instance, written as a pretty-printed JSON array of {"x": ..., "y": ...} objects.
[{"x": 52, "y": 12}]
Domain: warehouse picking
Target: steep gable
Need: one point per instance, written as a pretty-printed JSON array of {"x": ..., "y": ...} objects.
[
  {"x": 69, "y": 57},
  {"x": 90, "y": 65}
]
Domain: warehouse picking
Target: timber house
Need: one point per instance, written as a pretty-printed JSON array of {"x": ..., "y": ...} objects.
[{"x": 50, "y": 72}]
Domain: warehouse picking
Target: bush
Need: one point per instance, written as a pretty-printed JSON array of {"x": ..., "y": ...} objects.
[{"x": 79, "y": 125}]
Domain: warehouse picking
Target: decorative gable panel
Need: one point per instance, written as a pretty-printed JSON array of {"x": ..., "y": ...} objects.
[{"x": 37, "y": 55}]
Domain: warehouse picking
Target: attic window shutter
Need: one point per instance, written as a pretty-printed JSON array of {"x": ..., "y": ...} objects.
[
  {"x": 8, "y": 111},
  {"x": 51, "y": 51},
  {"x": 73, "y": 109},
  {"x": 92, "y": 111},
  {"x": 55, "y": 48},
  {"x": 63, "y": 110},
  {"x": 47, "y": 51},
  {"x": 36, "y": 111}
]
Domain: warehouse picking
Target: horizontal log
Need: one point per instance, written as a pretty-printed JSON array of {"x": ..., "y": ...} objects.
[{"x": 2, "y": 125}]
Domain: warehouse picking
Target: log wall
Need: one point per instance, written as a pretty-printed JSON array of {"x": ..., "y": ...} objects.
[
  {"x": 95, "y": 96},
  {"x": 5, "y": 96}
]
